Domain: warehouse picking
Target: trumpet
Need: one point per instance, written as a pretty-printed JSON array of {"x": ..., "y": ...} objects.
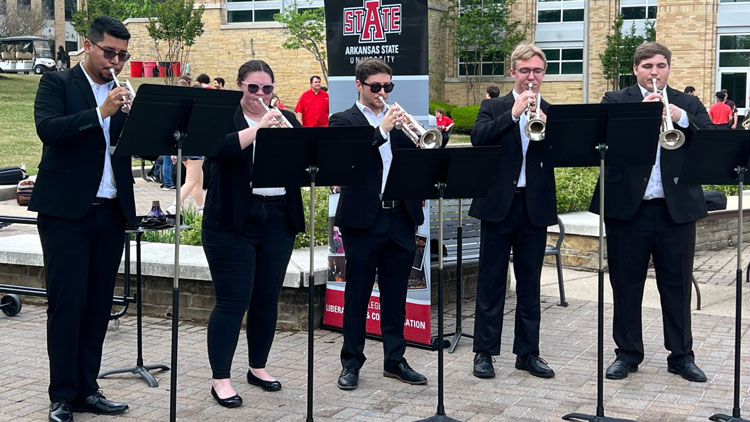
[
  {"x": 284, "y": 123},
  {"x": 131, "y": 92},
  {"x": 422, "y": 138},
  {"x": 669, "y": 137},
  {"x": 746, "y": 124},
  {"x": 535, "y": 127}
]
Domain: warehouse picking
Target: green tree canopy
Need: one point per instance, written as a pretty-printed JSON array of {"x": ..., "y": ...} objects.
[
  {"x": 306, "y": 29},
  {"x": 120, "y": 9},
  {"x": 617, "y": 58},
  {"x": 174, "y": 29}
]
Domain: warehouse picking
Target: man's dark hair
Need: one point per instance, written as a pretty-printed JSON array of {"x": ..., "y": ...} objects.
[
  {"x": 689, "y": 89},
  {"x": 313, "y": 77},
  {"x": 371, "y": 66},
  {"x": 254, "y": 66},
  {"x": 220, "y": 81},
  {"x": 649, "y": 50},
  {"x": 720, "y": 95},
  {"x": 203, "y": 78},
  {"x": 439, "y": 110},
  {"x": 107, "y": 25},
  {"x": 493, "y": 91}
]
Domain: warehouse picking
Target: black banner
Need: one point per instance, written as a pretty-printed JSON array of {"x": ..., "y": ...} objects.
[{"x": 392, "y": 30}]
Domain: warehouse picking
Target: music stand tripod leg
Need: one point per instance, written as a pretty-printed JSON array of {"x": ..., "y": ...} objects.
[{"x": 459, "y": 281}]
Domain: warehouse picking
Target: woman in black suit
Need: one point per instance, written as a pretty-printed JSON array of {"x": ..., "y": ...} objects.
[{"x": 248, "y": 236}]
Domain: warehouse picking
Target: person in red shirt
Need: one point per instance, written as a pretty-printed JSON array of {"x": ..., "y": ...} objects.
[
  {"x": 444, "y": 124},
  {"x": 720, "y": 112},
  {"x": 312, "y": 107}
]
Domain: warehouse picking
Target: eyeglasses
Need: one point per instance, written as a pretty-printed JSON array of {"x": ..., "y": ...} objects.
[
  {"x": 376, "y": 87},
  {"x": 253, "y": 88},
  {"x": 110, "y": 54},
  {"x": 525, "y": 71}
]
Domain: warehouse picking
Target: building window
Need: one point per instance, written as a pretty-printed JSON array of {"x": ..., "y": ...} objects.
[
  {"x": 48, "y": 9},
  {"x": 263, "y": 10},
  {"x": 734, "y": 1},
  {"x": 24, "y": 4},
  {"x": 734, "y": 50},
  {"x": 70, "y": 7},
  {"x": 564, "y": 61},
  {"x": 559, "y": 11},
  {"x": 472, "y": 63}
]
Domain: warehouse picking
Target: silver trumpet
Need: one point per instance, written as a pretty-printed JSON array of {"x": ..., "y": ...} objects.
[
  {"x": 535, "y": 127},
  {"x": 422, "y": 138},
  {"x": 131, "y": 92},
  {"x": 669, "y": 137},
  {"x": 284, "y": 123}
]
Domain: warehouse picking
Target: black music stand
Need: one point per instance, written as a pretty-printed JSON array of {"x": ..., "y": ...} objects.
[
  {"x": 181, "y": 126},
  {"x": 459, "y": 281},
  {"x": 579, "y": 136},
  {"x": 322, "y": 156},
  {"x": 720, "y": 157},
  {"x": 441, "y": 173}
]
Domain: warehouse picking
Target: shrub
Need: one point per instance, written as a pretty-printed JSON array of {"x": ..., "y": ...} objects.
[
  {"x": 575, "y": 186},
  {"x": 464, "y": 118},
  {"x": 448, "y": 108}
]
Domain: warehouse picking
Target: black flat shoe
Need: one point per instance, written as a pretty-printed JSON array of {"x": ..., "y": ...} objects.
[
  {"x": 404, "y": 373},
  {"x": 265, "y": 385},
  {"x": 483, "y": 367},
  {"x": 535, "y": 365},
  {"x": 688, "y": 370},
  {"x": 349, "y": 379},
  {"x": 620, "y": 369},
  {"x": 230, "y": 402},
  {"x": 60, "y": 411},
  {"x": 98, "y": 404}
]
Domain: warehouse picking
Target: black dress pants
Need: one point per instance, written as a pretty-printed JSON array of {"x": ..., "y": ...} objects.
[
  {"x": 528, "y": 243},
  {"x": 247, "y": 269},
  {"x": 630, "y": 243},
  {"x": 388, "y": 246},
  {"x": 81, "y": 258}
]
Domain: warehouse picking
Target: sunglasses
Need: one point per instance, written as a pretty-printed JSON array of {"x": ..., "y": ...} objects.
[
  {"x": 376, "y": 87},
  {"x": 110, "y": 54},
  {"x": 253, "y": 88}
]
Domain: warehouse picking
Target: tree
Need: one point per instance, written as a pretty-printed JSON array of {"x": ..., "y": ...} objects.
[
  {"x": 121, "y": 10},
  {"x": 174, "y": 29},
  {"x": 306, "y": 29},
  {"x": 22, "y": 21},
  {"x": 483, "y": 35},
  {"x": 617, "y": 58}
]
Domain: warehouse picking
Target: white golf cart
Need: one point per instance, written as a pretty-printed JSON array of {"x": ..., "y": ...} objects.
[{"x": 26, "y": 54}]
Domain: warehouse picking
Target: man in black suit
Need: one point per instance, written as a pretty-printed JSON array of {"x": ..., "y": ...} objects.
[
  {"x": 84, "y": 196},
  {"x": 647, "y": 213},
  {"x": 519, "y": 206},
  {"x": 377, "y": 235}
]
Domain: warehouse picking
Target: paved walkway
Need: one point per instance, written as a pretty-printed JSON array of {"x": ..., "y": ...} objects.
[{"x": 568, "y": 343}]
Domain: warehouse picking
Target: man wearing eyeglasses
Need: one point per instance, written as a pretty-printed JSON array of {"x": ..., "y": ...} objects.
[
  {"x": 378, "y": 235},
  {"x": 84, "y": 197},
  {"x": 519, "y": 206}
]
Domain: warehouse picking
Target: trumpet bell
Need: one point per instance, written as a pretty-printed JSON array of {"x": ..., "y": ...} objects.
[
  {"x": 671, "y": 139},
  {"x": 431, "y": 139},
  {"x": 535, "y": 129}
]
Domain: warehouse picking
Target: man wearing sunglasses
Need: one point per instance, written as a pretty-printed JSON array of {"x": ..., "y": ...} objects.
[
  {"x": 519, "y": 206},
  {"x": 378, "y": 235},
  {"x": 84, "y": 197}
]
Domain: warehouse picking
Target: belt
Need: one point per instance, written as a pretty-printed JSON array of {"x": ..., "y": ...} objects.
[
  {"x": 520, "y": 190},
  {"x": 389, "y": 205},
  {"x": 274, "y": 199},
  {"x": 99, "y": 201}
]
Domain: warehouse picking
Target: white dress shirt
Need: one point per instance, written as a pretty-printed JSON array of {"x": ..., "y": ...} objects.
[
  {"x": 107, "y": 185},
  {"x": 385, "y": 150},
  {"x": 524, "y": 143},
  {"x": 655, "y": 188},
  {"x": 262, "y": 191}
]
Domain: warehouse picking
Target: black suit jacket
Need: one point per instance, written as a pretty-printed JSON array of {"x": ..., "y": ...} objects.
[
  {"x": 625, "y": 186},
  {"x": 73, "y": 152},
  {"x": 495, "y": 126},
  {"x": 229, "y": 194},
  {"x": 358, "y": 206}
]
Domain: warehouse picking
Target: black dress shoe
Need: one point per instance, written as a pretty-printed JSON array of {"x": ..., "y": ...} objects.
[
  {"x": 349, "y": 379},
  {"x": 97, "y": 403},
  {"x": 535, "y": 365},
  {"x": 404, "y": 373},
  {"x": 620, "y": 369},
  {"x": 60, "y": 411},
  {"x": 483, "y": 365},
  {"x": 234, "y": 401},
  {"x": 266, "y": 385},
  {"x": 687, "y": 370}
]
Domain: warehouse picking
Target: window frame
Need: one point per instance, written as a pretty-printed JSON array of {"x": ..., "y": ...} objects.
[
  {"x": 481, "y": 64},
  {"x": 560, "y": 61}
]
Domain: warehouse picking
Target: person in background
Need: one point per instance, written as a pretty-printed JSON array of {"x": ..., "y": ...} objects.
[
  {"x": 720, "y": 113},
  {"x": 219, "y": 83},
  {"x": 444, "y": 125},
  {"x": 204, "y": 81},
  {"x": 62, "y": 59},
  {"x": 690, "y": 90},
  {"x": 733, "y": 108},
  {"x": 312, "y": 107},
  {"x": 492, "y": 92}
]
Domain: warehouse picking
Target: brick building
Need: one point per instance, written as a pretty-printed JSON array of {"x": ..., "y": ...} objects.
[{"x": 710, "y": 41}]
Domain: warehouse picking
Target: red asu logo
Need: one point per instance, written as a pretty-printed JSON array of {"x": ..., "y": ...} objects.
[{"x": 372, "y": 21}]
